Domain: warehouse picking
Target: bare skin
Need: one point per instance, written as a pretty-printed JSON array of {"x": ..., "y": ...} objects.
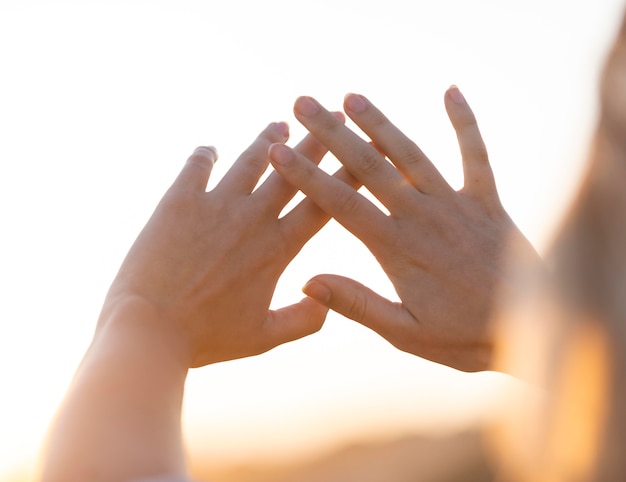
[
  {"x": 194, "y": 289},
  {"x": 442, "y": 249},
  {"x": 196, "y": 286}
]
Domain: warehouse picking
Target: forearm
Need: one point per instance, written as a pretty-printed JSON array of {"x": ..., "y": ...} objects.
[
  {"x": 184, "y": 297},
  {"x": 120, "y": 419}
]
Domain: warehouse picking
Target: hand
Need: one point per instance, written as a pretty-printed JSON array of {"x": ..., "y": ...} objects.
[
  {"x": 442, "y": 249},
  {"x": 205, "y": 266},
  {"x": 194, "y": 289}
]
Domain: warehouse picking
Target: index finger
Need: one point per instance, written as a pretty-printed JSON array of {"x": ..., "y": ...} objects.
[
  {"x": 340, "y": 200},
  {"x": 278, "y": 192},
  {"x": 402, "y": 151},
  {"x": 244, "y": 174},
  {"x": 360, "y": 158}
]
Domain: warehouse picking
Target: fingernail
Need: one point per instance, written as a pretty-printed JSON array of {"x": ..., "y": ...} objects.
[
  {"x": 280, "y": 154},
  {"x": 202, "y": 151},
  {"x": 306, "y": 106},
  {"x": 455, "y": 95},
  {"x": 318, "y": 291},
  {"x": 356, "y": 103},
  {"x": 281, "y": 127}
]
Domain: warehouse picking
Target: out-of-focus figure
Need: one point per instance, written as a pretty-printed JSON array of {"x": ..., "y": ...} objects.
[{"x": 566, "y": 329}]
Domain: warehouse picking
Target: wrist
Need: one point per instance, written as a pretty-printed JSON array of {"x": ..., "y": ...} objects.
[
  {"x": 120, "y": 419},
  {"x": 132, "y": 323}
]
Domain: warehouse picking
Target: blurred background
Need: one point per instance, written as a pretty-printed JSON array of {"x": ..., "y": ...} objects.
[{"x": 102, "y": 101}]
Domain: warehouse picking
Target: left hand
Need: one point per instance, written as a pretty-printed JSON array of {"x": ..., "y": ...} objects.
[
  {"x": 204, "y": 268},
  {"x": 443, "y": 250}
]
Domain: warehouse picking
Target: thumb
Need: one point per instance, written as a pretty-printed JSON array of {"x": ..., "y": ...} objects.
[{"x": 357, "y": 302}]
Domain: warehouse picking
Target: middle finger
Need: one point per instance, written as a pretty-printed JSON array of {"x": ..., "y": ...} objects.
[
  {"x": 363, "y": 160},
  {"x": 275, "y": 190},
  {"x": 402, "y": 151}
]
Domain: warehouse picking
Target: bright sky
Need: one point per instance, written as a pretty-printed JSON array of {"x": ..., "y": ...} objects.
[{"x": 102, "y": 101}]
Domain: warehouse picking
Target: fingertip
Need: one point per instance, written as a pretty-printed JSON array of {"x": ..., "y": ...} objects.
[
  {"x": 458, "y": 109},
  {"x": 318, "y": 291},
  {"x": 280, "y": 154},
  {"x": 380, "y": 151},
  {"x": 281, "y": 127},
  {"x": 209, "y": 152},
  {"x": 456, "y": 96},
  {"x": 355, "y": 103},
  {"x": 306, "y": 106}
]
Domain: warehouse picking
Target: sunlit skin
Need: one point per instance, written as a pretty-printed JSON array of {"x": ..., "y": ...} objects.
[
  {"x": 194, "y": 289},
  {"x": 196, "y": 286},
  {"x": 442, "y": 249}
]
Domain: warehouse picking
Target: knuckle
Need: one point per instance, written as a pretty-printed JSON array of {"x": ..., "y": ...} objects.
[
  {"x": 251, "y": 158},
  {"x": 176, "y": 204},
  {"x": 202, "y": 157},
  {"x": 300, "y": 172},
  {"x": 481, "y": 154},
  {"x": 358, "y": 308},
  {"x": 347, "y": 201},
  {"x": 308, "y": 169},
  {"x": 198, "y": 166},
  {"x": 410, "y": 155},
  {"x": 378, "y": 120},
  {"x": 466, "y": 118},
  {"x": 468, "y": 122},
  {"x": 371, "y": 161}
]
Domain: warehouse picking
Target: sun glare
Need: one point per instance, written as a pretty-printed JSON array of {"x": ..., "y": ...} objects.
[{"x": 103, "y": 101}]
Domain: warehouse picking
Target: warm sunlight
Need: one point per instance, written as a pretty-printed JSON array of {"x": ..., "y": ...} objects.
[{"x": 101, "y": 103}]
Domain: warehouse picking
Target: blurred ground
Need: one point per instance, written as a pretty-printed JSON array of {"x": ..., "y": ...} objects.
[
  {"x": 457, "y": 457},
  {"x": 416, "y": 458}
]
